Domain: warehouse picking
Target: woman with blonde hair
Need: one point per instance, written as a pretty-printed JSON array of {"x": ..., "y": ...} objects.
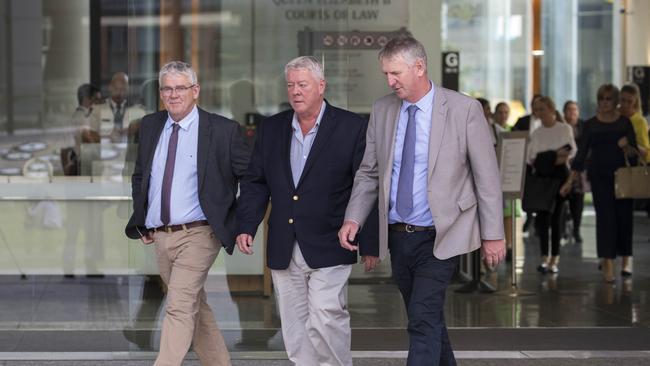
[
  {"x": 550, "y": 148},
  {"x": 630, "y": 107},
  {"x": 608, "y": 137}
]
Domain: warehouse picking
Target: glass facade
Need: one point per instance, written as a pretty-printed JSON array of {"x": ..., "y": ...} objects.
[
  {"x": 494, "y": 41},
  {"x": 66, "y": 158},
  {"x": 578, "y": 37}
]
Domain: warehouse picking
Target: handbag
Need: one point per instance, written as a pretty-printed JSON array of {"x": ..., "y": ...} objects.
[
  {"x": 539, "y": 192},
  {"x": 632, "y": 181}
]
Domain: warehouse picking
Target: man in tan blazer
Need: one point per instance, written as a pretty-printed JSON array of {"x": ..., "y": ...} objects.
[{"x": 429, "y": 157}]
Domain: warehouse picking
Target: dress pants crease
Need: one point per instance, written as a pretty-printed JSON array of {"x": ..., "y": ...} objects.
[
  {"x": 313, "y": 309},
  {"x": 423, "y": 280},
  {"x": 184, "y": 259}
]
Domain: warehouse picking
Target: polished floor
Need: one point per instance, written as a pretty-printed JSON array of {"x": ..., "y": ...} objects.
[{"x": 573, "y": 310}]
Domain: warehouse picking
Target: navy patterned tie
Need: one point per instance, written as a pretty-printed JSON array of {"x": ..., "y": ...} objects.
[
  {"x": 118, "y": 116},
  {"x": 404, "y": 202},
  {"x": 168, "y": 177}
]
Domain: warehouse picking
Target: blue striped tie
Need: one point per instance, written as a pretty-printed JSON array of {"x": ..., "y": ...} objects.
[{"x": 404, "y": 204}]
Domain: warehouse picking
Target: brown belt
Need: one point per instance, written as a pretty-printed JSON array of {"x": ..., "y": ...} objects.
[
  {"x": 189, "y": 225},
  {"x": 406, "y": 228}
]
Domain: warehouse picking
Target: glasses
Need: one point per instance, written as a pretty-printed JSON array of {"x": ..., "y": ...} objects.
[{"x": 168, "y": 90}]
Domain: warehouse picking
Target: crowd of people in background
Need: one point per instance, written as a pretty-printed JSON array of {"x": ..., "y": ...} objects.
[{"x": 579, "y": 156}]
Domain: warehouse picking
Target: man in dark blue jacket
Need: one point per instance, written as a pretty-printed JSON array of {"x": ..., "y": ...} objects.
[
  {"x": 304, "y": 161},
  {"x": 184, "y": 185}
]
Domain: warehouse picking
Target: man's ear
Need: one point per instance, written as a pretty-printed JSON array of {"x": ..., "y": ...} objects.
[
  {"x": 195, "y": 93},
  {"x": 321, "y": 86},
  {"x": 420, "y": 67}
]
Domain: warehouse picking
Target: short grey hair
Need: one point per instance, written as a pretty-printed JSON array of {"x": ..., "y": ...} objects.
[
  {"x": 407, "y": 47},
  {"x": 177, "y": 67},
  {"x": 310, "y": 63}
]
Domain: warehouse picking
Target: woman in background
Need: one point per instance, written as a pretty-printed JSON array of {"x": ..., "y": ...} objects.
[
  {"x": 550, "y": 148},
  {"x": 499, "y": 126},
  {"x": 630, "y": 107},
  {"x": 607, "y": 137},
  {"x": 576, "y": 197}
]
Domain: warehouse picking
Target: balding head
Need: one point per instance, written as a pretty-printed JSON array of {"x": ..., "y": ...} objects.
[{"x": 119, "y": 87}]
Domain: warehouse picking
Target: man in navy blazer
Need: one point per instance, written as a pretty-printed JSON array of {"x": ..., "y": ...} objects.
[
  {"x": 304, "y": 163},
  {"x": 184, "y": 186},
  {"x": 524, "y": 122}
]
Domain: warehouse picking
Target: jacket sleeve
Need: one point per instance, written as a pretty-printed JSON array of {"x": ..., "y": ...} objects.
[
  {"x": 366, "y": 184},
  {"x": 485, "y": 173},
  {"x": 369, "y": 236},
  {"x": 132, "y": 230},
  {"x": 254, "y": 192},
  {"x": 240, "y": 154}
]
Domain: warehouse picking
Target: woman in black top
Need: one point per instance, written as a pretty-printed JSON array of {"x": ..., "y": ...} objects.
[{"x": 607, "y": 136}]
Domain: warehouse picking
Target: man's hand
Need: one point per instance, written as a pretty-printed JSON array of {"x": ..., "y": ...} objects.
[
  {"x": 245, "y": 243},
  {"x": 493, "y": 252},
  {"x": 147, "y": 238},
  {"x": 370, "y": 262},
  {"x": 347, "y": 234}
]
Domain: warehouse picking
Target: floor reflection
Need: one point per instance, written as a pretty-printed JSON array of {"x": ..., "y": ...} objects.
[{"x": 131, "y": 305}]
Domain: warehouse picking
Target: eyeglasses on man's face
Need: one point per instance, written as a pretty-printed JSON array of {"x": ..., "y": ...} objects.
[{"x": 168, "y": 90}]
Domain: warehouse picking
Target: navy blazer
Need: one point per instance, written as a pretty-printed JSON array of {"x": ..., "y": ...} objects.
[
  {"x": 522, "y": 124},
  {"x": 312, "y": 211},
  {"x": 222, "y": 158}
]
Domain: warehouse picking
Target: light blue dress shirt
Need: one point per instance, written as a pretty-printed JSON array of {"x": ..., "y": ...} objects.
[
  {"x": 301, "y": 145},
  {"x": 421, "y": 214},
  {"x": 184, "y": 205}
]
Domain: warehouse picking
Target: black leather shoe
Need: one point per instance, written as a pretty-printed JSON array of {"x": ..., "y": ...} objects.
[{"x": 626, "y": 273}]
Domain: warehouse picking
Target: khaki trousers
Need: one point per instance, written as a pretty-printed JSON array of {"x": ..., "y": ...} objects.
[
  {"x": 184, "y": 258},
  {"x": 314, "y": 313}
]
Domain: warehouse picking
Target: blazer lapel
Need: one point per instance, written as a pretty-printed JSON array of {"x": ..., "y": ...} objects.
[
  {"x": 327, "y": 126},
  {"x": 390, "y": 125},
  {"x": 203, "y": 146},
  {"x": 285, "y": 143},
  {"x": 438, "y": 124}
]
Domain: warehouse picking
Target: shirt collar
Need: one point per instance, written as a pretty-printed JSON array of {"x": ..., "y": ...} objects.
[
  {"x": 186, "y": 122},
  {"x": 425, "y": 104},
  {"x": 296, "y": 125},
  {"x": 115, "y": 105}
]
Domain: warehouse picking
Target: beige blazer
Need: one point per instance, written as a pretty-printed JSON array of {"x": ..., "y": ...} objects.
[{"x": 464, "y": 187}]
